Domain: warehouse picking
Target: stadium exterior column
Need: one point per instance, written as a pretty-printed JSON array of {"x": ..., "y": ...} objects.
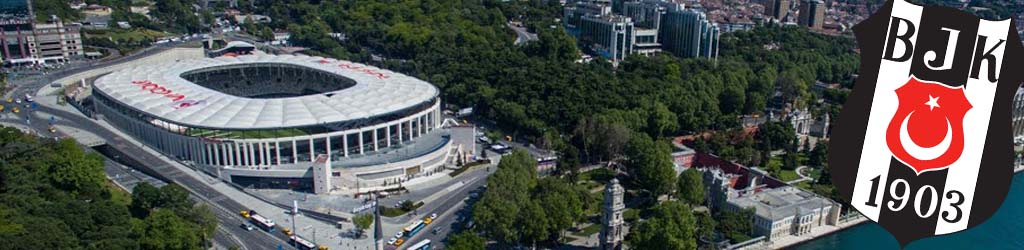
[
  {"x": 216, "y": 155},
  {"x": 252, "y": 154},
  {"x": 209, "y": 150},
  {"x": 312, "y": 153},
  {"x": 238, "y": 155},
  {"x": 361, "y": 142},
  {"x": 399, "y": 130},
  {"x": 295, "y": 152},
  {"x": 410, "y": 129},
  {"x": 344, "y": 144},
  {"x": 375, "y": 141},
  {"x": 387, "y": 133},
  {"x": 327, "y": 143},
  {"x": 262, "y": 154},
  {"x": 227, "y": 154},
  {"x": 277, "y": 149},
  {"x": 266, "y": 153}
]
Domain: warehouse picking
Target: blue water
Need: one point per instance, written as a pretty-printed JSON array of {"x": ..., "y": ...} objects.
[{"x": 1005, "y": 230}]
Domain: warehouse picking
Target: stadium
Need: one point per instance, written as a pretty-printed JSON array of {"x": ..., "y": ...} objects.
[{"x": 281, "y": 121}]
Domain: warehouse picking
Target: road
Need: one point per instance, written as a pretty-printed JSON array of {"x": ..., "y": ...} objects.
[{"x": 448, "y": 208}]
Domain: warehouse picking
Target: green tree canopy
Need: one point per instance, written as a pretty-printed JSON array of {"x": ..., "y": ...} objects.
[
  {"x": 671, "y": 226},
  {"x": 651, "y": 164},
  {"x": 691, "y": 187}
]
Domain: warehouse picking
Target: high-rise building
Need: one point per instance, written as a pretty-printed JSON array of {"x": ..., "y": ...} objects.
[
  {"x": 610, "y": 36},
  {"x": 641, "y": 27},
  {"x": 611, "y": 216},
  {"x": 812, "y": 13},
  {"x": 23, "y": 38},
  {"x": 689, "y": 33},
  {"x": 777, "y": 9}
]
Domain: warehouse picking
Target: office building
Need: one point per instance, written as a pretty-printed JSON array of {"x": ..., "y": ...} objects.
[
  {"x": 812, "y": 14},
  {"x": 777, "y": 9},
  {"x": 689, "y": 33},
  {"x": 22, "y": 40},
  {"x": 641, "y": 27},
  {"x": 610, "y": 36}
]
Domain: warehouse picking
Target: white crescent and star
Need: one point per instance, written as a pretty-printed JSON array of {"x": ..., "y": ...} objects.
[{"x": 923, "y": 153}]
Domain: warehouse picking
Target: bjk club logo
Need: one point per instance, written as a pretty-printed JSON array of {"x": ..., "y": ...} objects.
[{"x": 923, "y": 144}]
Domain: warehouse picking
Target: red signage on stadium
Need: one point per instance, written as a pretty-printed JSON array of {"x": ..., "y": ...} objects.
[
  {"x": 363, "y": 69},
  {"x": 159, "y": 90}
]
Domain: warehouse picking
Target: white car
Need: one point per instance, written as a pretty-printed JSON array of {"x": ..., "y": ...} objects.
[
  {"x": 392, "y": 241},
  {"x": 399, "y": 234},
  {"x": 433, "y": 216}
]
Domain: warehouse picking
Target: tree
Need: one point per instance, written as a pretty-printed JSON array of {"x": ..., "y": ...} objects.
[
  {"x": 737, "y": 226},
  {"x": 671, "y": 226},
  {"x": 661, "y": 120},
  {"x": 561, "y": 204},
  {"x": 790, "y": 161},
  {"x": 691, "y": 187},
  {"x": 534, "y": 223},
  {"x": 705, "y": 226},
  {"x": 466, "y": 240},
  {"x": 651, "y": 164},
  {"x": 818, "y": 156},
  {"x": 165, "y": 230},
  {"x": 362, "y": 222}
]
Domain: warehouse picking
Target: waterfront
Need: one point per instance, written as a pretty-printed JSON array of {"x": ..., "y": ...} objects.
[{"x": 1002, "y": 231}]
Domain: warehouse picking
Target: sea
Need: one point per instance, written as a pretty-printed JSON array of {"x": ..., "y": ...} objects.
[{"x": 1004, "y": 230}]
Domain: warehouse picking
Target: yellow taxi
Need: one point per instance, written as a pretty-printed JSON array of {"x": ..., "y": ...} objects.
[
  {"x": 399, "y": 242},
  {"x": 15, "y": 110},
  {"x": 286, "y": 231},
  {"x": 428, "y": 220},
  {"x": 244, "y": 213}
]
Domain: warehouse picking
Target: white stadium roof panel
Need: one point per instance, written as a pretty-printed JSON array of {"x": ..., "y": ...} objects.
[{"x": 161, "y": 91}]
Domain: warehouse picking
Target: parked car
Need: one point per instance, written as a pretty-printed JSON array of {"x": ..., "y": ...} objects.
[
  {"x": 247, "y": 227},
  {"x": 392, "y": 241}
]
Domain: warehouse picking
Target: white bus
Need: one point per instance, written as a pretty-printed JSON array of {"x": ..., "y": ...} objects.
[
  {"x": 303, "y": 244},
  {"x": 422, "y": 245},
  {"x": 413, "y": 226},
  {"x": 264, "y": 223}
]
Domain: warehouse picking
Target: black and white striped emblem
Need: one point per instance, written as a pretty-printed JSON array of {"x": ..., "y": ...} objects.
[{"x": 923, "y": 145}]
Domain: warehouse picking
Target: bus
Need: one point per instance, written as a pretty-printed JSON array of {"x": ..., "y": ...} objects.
[
  {"x": 263, "y": 223},
  {"x": 422, "y": 245},
  {"x": 414, "y": 228},
  {"x": 303, "y": 244}
]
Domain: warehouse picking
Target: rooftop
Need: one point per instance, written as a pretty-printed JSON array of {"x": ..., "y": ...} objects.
[
  {"x": 780, "y": 203},
  {"x": 161, "y": 91}
]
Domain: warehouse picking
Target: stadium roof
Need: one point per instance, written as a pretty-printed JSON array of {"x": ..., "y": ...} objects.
[{"x": 159, "y": 90}]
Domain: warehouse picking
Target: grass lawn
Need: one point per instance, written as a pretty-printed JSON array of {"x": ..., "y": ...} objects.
[
  {"x": 396, "y": 211},
  {"x": 132, "y": 34},
  {"x": 601, "y": 175},
  {"x": 788, "y": 175},
  {"x": 118, "y": 195},
  {"x": 589, "y": 230}
]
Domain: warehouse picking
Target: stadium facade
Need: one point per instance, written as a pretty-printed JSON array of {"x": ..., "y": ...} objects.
[{"x": 269, "y": 121}]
